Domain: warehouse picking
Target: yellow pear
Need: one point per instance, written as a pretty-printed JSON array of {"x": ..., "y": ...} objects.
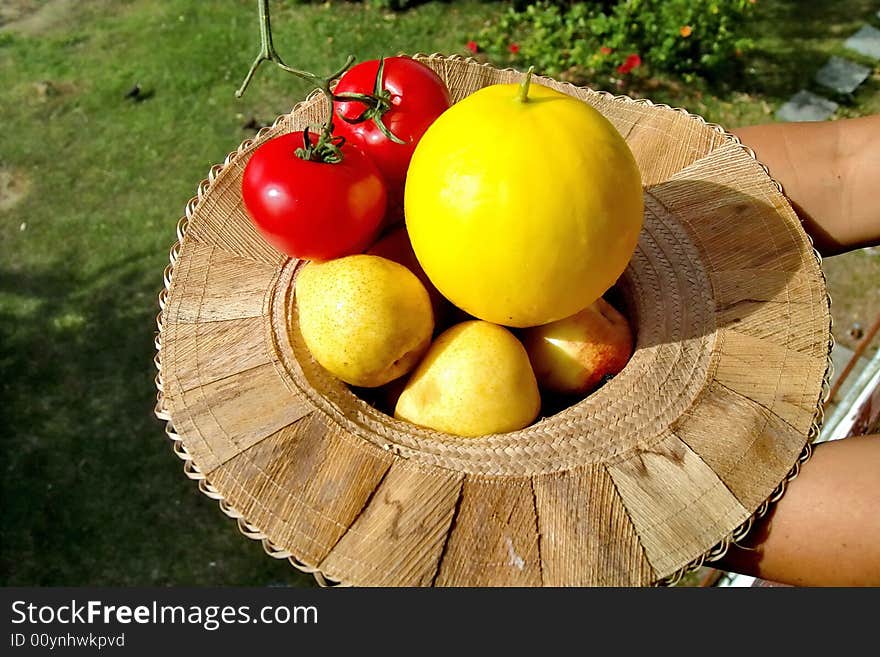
[
  {"x": 474, "y": 380},
  {"x": 365, "y": 319}
]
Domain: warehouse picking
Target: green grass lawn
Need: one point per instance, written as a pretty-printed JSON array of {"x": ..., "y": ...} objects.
[{"x": 91, "y": 187}]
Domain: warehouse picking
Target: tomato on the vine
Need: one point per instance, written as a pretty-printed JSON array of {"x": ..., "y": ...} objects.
[
  {"x": 407, "y": 96},
  {"x": 314, "y": 210}
]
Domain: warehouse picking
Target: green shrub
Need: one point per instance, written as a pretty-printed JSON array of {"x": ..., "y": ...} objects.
[{"x": 609, "y": 41}]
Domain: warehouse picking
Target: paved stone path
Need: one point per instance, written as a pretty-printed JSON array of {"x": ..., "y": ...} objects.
[
  {"x": 865, "y": 42},
  {"x": 839, "y": 75},
  {"x": 842, "y": 75},
  {"x": 806, "y": 106}
]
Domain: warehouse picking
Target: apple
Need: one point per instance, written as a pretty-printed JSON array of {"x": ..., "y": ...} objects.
[{"x": 571, "y": 356}]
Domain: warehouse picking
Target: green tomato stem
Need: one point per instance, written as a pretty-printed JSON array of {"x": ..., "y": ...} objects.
[
  {"x": 524, "y": 85},
  {"x": 267, "y": 49},
  {"x": 327, "y": 147}
]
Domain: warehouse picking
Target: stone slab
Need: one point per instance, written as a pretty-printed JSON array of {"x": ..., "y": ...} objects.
[
  {"x": 842, "y": 75},
  {"x": 806, "y": 106},
  {"x": 865, "y": 42}
]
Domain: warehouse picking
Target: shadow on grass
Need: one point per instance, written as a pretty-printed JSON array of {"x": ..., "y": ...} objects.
[{"x": 91, "y": 493}]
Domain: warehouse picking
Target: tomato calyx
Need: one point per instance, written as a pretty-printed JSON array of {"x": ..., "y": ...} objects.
[
  {"x": 376, "y": 105},
  {"x": 324, "y": 150}
]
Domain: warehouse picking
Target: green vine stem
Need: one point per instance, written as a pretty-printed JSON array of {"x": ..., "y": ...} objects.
[{"x": 327, "y": 148}]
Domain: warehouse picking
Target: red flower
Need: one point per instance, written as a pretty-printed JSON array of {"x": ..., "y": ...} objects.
[
  {"x": 605, "y": 50},
  {"x": 631, "y": 62},
  {"x": 473, "y": 47},
  {"x": 513, "y": 48}
]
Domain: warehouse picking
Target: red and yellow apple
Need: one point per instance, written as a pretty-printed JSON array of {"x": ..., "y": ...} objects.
[{"x": 571, "y": 356}]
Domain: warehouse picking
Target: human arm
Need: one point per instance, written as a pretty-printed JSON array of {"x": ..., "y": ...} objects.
[
  {"x": 825, "y": 531},
  {"x": 830, "y": 172}
]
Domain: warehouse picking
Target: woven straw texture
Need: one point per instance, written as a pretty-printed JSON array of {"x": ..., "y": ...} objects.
[{"x": 651, "y": 475}]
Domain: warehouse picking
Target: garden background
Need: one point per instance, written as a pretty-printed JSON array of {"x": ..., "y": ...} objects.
[{"x": 112, "y": 112}]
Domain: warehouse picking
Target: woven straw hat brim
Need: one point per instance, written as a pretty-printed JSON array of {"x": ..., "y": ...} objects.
[{"x": 651, "y": 475}]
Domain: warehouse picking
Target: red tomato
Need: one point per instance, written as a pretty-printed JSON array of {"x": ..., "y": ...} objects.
[
  {"x": 413, "y": 97},
  {"x": 313, "y": 210}
]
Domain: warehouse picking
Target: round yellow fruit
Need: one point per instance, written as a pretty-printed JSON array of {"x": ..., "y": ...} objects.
[
  {"x": 475, "y": 379},
  {"x": 523, "y": 208},
  {"x": 365, "y": 319}
]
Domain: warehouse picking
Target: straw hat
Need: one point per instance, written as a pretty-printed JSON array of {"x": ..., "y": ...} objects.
[{"x": 653, "y": 474}]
